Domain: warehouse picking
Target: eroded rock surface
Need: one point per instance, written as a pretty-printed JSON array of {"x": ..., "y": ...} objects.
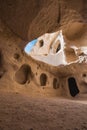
[
  {"x": 32, "y": 18},
  {"x": 58, "y": 68},
  {"x": 55, "y": 50},
  {"x": 60, "y": 28}
]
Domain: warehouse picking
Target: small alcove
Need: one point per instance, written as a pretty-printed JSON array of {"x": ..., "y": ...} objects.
[
  {"x": 43, "y": 79},
  {"x": 41, "y": 43}
]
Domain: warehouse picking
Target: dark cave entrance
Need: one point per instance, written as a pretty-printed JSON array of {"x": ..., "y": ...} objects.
[{"x": 73, "y": 88}]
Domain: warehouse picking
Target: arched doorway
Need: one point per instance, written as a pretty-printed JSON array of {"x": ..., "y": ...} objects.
[
  {"x": 73, "y": 88},
  {"x": 55, "y": 83},
  {"x": 43, "y": 79}
]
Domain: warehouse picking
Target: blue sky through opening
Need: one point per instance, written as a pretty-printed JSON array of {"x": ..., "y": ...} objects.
[{"x": 29, "y": 46}]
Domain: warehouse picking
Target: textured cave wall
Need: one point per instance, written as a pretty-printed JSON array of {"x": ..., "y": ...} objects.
[
  {"x": 28, "y": 20},
  {"x": 19, "y": 14},
  {"x": 20, "y": 73},
  {"x": 31, "y": 18}
]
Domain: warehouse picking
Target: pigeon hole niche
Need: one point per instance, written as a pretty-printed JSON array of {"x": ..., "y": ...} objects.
[
  {"x": 55, "y": 83},
  {"x": 56, "y": 47},
  {"x": 41, "y": 43},
  {"x": 24, "y": 74},
  {"x": 73, "y": 88},
  {"x": 43, "y": 79}
]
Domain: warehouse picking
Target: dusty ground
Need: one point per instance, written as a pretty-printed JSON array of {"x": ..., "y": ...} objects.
[{"x": 21, "y": 112}]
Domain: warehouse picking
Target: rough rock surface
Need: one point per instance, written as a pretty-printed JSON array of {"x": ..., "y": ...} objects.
[
  {"x": 32, "y": 18},
  {"x": 55, "y": 50},
  {"x": 21, "y": 76}
]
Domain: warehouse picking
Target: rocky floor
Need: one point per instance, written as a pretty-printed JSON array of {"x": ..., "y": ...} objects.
[{"x": 21, "y": 112}]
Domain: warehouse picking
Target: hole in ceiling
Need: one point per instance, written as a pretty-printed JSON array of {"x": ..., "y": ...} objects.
[{"x": 41, "y": 43}]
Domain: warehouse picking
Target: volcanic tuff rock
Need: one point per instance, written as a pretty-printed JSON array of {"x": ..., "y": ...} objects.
[
  {"x": 47, "y": 20},
  {"x": 32, "y": 18}
]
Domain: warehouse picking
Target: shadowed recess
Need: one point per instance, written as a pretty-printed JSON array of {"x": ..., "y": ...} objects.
[
  {"x": 73, "y": 88},
  {"x": 23, "y": 74},
  {"x": 43, "y": 79}
]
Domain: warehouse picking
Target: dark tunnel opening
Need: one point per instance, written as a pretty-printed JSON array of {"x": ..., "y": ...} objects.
[{"x": 73, "y": 88}]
